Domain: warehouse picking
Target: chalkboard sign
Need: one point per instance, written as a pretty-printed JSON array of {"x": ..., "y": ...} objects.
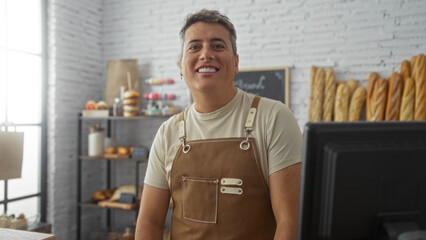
[{"x": 266, "y": 82}]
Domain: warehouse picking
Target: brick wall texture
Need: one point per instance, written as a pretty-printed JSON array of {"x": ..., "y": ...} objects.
[{"x": 353, "y": 37}]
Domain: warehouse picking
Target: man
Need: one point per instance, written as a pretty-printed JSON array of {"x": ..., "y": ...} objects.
[{"x": 230, "y": 162}]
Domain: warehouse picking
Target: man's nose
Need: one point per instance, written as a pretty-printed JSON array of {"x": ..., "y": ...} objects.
[{"x": 206, "y": 54}]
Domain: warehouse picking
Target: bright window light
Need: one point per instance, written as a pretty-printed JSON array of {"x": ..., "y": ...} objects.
[
  {"x": 24, "y": 25},
  {"x": 21, "y": 78}
]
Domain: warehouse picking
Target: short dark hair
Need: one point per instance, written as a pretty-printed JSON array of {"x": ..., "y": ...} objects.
[{"x": 210, "y": 16}]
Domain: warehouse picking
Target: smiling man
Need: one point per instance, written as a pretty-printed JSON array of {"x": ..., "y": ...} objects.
[{"x": 230, "y": 162}]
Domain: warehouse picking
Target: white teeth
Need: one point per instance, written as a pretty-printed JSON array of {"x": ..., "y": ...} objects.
[{"x": 207, "y": 70}]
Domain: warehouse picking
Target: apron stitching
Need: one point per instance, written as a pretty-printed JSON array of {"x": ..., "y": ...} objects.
[{"x": 215, "y": 216}]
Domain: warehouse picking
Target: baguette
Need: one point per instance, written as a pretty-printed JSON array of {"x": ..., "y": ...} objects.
[
  {"x": 352, "y": 84},
  {"x": 318, "y": 97},
  {"x": 311, "y": 93},
  {"x": 356, "y": 104},
  {"x": 329, "y": 94},
  {"x": 341, "y": 103},
  {"x": 407, "y": 103},
  {"x": 394, "y": 97},
  {"x": 378, "y": 101},
  {"x": 370, "y": 88},
  {"x": 413, "y": 67},
  {"x": 405, "y": 70},
  {"x": 420, "y": 81}
]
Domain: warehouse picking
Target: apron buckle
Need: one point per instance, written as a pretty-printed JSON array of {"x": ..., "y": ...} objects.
[
  {"x": 245, "y": 145},
  {"x": 185, "y": 147}
]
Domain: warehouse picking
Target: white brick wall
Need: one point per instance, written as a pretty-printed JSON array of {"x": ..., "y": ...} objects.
[
  {"x": 75, "y": 70},
  {"x": 354, "y": 37}
]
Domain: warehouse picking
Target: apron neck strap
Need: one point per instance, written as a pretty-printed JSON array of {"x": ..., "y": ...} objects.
[{"x": 248, "y": 127}]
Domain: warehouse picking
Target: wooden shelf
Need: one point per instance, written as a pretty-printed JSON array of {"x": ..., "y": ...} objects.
[
  {"x": 114, "y": 159},
  {"x": 95, "y": 205},
  {"x": 124, "y": 118}
]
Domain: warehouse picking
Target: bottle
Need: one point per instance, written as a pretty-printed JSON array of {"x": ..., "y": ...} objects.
[{"x": 117, "y": 108}]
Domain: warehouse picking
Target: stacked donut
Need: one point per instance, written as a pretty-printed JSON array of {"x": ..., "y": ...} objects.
[{"x": 131, "y": 103}]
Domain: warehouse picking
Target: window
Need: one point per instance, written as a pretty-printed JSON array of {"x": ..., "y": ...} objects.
[{"x": 22, "y": 98}]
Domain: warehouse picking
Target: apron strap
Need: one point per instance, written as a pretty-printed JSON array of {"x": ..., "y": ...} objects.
[
  {"x": 182, "y": 132},
  {"x": 252, "y": 114},
  {"x": 248, "y": 127}
]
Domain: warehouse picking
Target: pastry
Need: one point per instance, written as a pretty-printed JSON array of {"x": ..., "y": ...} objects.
[
  {"x": 329, "y": 94},
  {"x": 356, "y": 104},
  {"x": 122, "y": 150},
  {"x": 131, "y": 103},
  {"x": 393, "y": 104}
]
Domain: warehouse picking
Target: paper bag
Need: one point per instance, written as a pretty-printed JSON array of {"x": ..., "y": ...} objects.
[
  {"x": 117, "y": 77},
  {"x": 11, "y": 154}
]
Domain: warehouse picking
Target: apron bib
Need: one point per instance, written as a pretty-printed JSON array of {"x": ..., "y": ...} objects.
[{"x": 219, "y": 190}]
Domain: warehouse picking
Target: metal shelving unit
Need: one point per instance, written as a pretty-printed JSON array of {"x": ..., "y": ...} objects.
[{"x": 81, "y": 158}]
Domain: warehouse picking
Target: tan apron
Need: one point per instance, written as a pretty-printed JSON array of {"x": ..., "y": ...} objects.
[{"x": 219, "y": 190}]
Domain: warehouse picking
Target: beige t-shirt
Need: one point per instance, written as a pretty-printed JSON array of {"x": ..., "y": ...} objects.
[{"x": 276, "y": 132}]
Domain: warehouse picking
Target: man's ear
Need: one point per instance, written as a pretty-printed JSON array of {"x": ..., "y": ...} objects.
[
  {"x": 237, "y": 60},
  {"x": 180, "y": 65}
]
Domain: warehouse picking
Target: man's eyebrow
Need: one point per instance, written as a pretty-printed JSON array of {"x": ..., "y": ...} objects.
[
  {"x": 211, "y": 40},
  {"x": 217, "y": 39},
  {"x": 194, "y": 40}
]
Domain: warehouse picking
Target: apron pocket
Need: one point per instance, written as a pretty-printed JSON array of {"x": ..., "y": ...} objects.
[{"x": 200, "y": 199}]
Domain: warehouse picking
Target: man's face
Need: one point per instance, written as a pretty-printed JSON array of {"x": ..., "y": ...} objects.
[{"x": 208, "y": 63}]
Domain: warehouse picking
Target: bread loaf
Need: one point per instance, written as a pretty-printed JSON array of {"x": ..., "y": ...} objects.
[
  {"x": 329, "y": 94},
  {"x": 356, "y": 103},
  {"x": 341, "y": 103},
  {"x": 420, "y": 81},
  {"x": 311, "y": 92},
  {"x": 126, "y": 189},
  {"x": 352, "y": 84},
  {"x": 405, "y": 70},
  {"x": 370, "y": 87},
  {"x": 413, "y": 67},
  {"x": 378, "y": 100},
  {"x": 318, "y": 97},
  {"x": 393, "y": 104},
  {"x": 407, "y": 102}
]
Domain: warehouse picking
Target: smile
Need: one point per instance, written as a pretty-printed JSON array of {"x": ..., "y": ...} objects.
[{"x": 207, "y": 70}]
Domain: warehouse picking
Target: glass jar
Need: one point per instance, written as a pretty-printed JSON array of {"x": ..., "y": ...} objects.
[{"x": 95, "y": 141}]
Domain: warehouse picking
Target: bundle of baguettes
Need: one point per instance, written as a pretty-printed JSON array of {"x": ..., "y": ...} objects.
[
  {"x": 332, "y": 101},
  {"x": 400, "y": 97},
  {"x": 413, "y": 101}
]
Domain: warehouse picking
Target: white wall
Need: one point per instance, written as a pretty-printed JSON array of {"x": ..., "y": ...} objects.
[
  {"x": 354, "y": 37},
  {"x": 74, "y": 75}
]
